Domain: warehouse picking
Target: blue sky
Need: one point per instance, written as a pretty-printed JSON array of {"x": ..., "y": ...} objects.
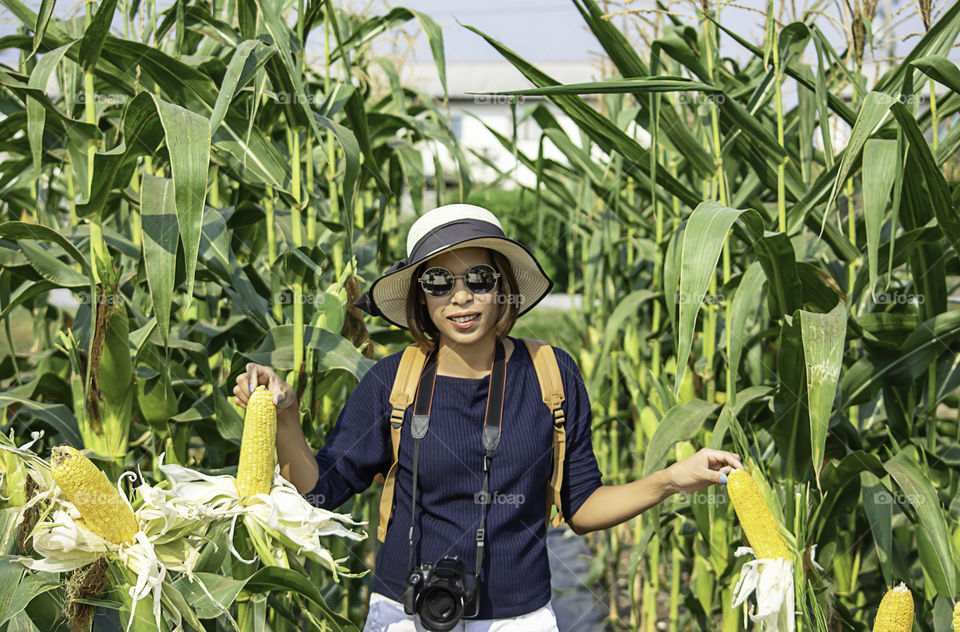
[
  {"x": 539, "y": 30},
  {"x": 553, "y": 30}
]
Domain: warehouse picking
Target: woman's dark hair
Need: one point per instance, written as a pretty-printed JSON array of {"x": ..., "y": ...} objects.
[{"x": 421, "y": 325}]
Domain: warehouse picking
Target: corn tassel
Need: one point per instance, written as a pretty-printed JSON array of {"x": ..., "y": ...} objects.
[
  {"x": 255, "y": 470},
  {"x": 896, "y": 611},
  {"x": 755, "y": 517},
  {"x": 100, "y": 505}
]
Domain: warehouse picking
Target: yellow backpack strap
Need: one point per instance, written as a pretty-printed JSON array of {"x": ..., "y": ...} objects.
[
  {"x": 401, "y": 396},
  {"x": 551, "y": 390}
]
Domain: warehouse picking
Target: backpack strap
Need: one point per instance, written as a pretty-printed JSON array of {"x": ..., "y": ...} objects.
[
  {"x": 401, "y": 396},
  {"x": 551, "y": 390}
]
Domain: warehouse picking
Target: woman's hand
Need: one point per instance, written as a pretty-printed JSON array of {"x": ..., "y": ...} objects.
[
  {"x": 294, "y": 456},
  {"x": 701, "y": 470},
  {"x": 283, "y": 394}
]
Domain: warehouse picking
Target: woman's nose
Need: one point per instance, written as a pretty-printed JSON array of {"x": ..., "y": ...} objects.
[{"x": 461, "y": 293}]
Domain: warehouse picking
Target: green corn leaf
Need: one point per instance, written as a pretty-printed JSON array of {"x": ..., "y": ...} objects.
[
  {"x": 36, "y": 113},
  {"x": 879, "y": 173},
  {"x": 702, "y": 242},
  {"x": 93, "y": 37},
  {"x": 275, "y": 578},
  {"x": 158, "y": 218},
  {"x": 746, "y": 301},
  {"x": 823, "y": 336},
  {"x": 681, "y": 423},
  {"x": 239, "y": 72},
  {"x": 187, "y": 138},
  {"x": 939, "y": 192},
  {"x": 45, "y": 262},
  {"x": 922, "y": 496},
  {"x": 879, "y": 513}
]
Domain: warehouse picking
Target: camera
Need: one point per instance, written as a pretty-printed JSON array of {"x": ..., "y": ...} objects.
[{"x": 441, "y": 593}]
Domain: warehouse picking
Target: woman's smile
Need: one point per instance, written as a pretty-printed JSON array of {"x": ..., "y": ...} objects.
[{"x": 465, "y": 320}]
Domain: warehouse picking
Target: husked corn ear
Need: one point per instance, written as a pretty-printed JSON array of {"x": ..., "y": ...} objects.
[
  {"x": 255, "y": 470},
  {"x": 896, "y": 611},
  {"x": 100, "y": 505},
  {"x": 755, "y": 517},
  {"x": 956, "y": 617}
]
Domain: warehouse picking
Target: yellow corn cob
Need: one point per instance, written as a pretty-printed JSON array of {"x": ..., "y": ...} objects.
[
  {"x": 755, "y": 517},
  {"x": 100, "y": 505},
  {"x": 896, "y": 611},
  {"x": 956, "y": 617},
  {"x": 255, "y": 470}
]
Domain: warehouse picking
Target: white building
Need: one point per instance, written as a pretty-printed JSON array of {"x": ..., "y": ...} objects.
[{"x": 471, "y": 113}]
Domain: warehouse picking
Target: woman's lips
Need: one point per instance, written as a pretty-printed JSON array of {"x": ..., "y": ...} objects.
[{"x": 465, "y": 325}]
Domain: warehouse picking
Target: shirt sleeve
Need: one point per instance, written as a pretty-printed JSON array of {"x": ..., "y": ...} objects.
[
  {"x": 358, "y": 447},
  {"x": 581, "y": 474}
]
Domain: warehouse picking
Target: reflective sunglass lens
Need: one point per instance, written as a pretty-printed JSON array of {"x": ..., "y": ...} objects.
[
  {"x": 437, "y": 281},
  {"x": 481, "y": 279}
]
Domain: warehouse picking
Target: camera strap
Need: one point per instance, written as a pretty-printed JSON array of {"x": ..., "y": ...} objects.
[{"x": 490, "y": 437}]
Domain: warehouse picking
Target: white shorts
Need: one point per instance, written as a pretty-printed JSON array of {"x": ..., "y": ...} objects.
[{"x": 387, "y": 615}]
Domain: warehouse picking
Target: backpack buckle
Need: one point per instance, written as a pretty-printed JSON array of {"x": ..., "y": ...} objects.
[
  {"x": 559, "y": 418},
  {"x": 396, "y": 418}
]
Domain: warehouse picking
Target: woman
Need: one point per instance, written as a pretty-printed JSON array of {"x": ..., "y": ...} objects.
[{"x": 462, "y": 285}]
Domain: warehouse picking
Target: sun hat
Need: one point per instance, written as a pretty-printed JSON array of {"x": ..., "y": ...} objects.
[{"x": 443, "y": 229}]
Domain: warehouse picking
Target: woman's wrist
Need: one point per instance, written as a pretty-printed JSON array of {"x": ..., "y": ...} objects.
[
  {"x": 666, "y": 484},
  {"x": 289, "y": 415},
  {"x": 288, "y": 425}
]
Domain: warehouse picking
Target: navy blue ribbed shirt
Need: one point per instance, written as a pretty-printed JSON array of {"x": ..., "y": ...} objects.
[{"x": 515, "y": 578}]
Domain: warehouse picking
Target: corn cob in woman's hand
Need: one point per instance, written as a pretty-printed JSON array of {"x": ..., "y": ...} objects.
[
  {"x": 100, "y": 505},
  {"x": 255, "y": 470},
  {"x": 896, "y": 611},
  {"x": 755, "y": 517}
]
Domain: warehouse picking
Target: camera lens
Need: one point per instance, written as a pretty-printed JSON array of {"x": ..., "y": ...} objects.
[{"x": 440, "y": 609}]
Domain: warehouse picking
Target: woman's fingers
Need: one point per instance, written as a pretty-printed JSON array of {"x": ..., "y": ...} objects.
[
  {"x": 723, "y": 458},
  {"x": 277, "y": 392},
  {"x": 247, "y": 382},
  {"x": 241, "y": 394},
  {"x": 254, "y": 371},
  {"x": 257, "y": 375}
]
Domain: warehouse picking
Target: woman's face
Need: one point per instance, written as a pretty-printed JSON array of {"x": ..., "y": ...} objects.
[{"x": 480, "y": 311}]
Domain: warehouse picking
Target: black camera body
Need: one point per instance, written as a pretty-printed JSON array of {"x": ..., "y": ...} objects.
[{"x": 442, "y": 594}]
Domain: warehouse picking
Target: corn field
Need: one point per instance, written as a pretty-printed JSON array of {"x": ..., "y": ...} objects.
[{"x": 751, "y": 280}]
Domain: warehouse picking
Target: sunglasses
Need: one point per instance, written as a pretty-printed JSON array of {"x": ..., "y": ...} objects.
[{"x": 480, "y": 279}]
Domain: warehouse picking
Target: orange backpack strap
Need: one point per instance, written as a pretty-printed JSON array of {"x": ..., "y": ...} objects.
[
  {"x": 551, "y": 390},
  {"x": 401, "y": 396}
]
